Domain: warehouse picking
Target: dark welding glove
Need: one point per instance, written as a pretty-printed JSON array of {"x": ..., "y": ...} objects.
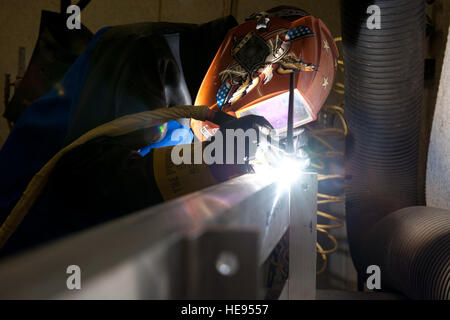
[
  {"x": 187, "y": 168},
  {"x": 241, "y": 138}
]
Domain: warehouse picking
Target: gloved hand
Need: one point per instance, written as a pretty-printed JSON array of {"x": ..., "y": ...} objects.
[
  {"x": 238, "y": 141},
  {"x": 240, "y": 138},
  {"x": 272, "y": 150}
]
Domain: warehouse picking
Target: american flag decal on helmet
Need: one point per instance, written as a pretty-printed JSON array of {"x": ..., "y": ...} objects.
[
  {"x": 298, "y": 33},
  {"x": 222, "y": 94}
]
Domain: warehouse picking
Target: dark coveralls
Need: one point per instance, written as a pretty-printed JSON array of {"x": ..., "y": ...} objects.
[{"x": 126, "y": 69}]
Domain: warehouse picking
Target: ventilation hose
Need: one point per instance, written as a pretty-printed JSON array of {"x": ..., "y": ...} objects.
[
  {"x": 412, "y": 248},
  {"x": 383, "y": 98}
]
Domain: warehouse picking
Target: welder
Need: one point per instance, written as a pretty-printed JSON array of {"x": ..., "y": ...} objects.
[{"x": 106, "y": 155}]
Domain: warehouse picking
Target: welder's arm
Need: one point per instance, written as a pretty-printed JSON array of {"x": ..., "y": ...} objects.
[
  {"x": 187, "y": 168},
  {"x": 106, "y": 177}
]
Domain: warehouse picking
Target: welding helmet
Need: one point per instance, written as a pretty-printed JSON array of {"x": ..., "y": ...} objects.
[{"x": 250, "y": 72}]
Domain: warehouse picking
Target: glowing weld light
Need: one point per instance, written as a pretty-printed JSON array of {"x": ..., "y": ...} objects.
[
  {"x": 290, "y": 170},
  {"x": 285, "y": 172}
]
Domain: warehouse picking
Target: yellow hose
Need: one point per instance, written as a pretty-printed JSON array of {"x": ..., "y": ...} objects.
[
  {"x": 117, "y": 127},
  {"x": 320, "y": 136}
]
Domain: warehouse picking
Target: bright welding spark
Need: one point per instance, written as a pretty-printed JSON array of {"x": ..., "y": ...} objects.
[
  {"x": 285, "y": 172},
  {"x": 290, "y": 170}
]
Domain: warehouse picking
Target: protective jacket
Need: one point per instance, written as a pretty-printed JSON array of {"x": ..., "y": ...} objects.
[{"x": 125, "y": 70}]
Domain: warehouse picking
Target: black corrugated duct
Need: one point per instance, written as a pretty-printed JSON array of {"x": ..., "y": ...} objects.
[
  {"x": 412, "y": 248},
  {"x": 384, "y": 85}
]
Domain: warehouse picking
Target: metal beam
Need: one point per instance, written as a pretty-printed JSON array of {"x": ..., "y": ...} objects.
[
  {"x": 157, "y": 253},
  {"x": 302, "y": 242}
]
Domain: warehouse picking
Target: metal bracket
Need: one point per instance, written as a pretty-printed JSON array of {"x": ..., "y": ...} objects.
[{"x": 302, "y": 242}]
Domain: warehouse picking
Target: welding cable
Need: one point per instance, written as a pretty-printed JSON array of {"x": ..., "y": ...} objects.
[
  {"x": 324, "y": 228},
  {"x": 340, "y": 62},
  {"x": 325, "y": 198},
  {"x": 324, "y": 258},
  {"x": 328, "y": 152},
  {"x": 117, "y": 127},
  {"x": 339, "y": 224},
  {"x": 339, "y": 89}
]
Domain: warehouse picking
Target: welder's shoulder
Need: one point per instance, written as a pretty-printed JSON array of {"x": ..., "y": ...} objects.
[
  {"x": 107, "y": 176},
  {"x": 92, "y": 153},
  {"x": 90, "y": 168}
]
